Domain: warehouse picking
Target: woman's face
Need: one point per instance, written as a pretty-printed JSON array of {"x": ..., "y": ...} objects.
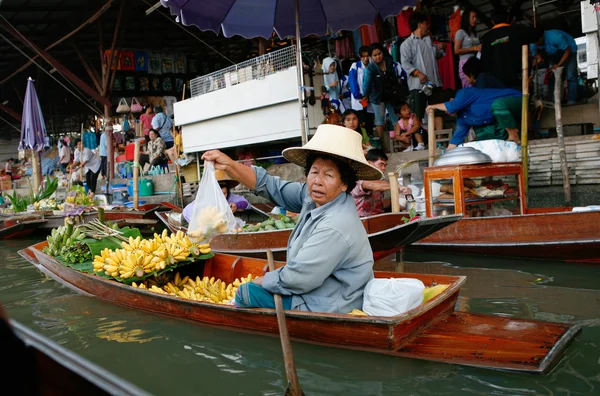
[
  {"x": 224, "y": 189},
  {"x": 473, "y": 19},
  {"x": 351, "y": 122},
  {"x": 149, "y": 110},
  {"x": 405, "y": 111},
  {"x": 377, "y": 56},
  {"x": 332, "y": 68},
  {"x": 324, "y": 181},
  {"x": 152, "y": 135}
]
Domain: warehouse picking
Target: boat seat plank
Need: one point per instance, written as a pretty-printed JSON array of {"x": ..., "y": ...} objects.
[{"x": 494, "y": 342}]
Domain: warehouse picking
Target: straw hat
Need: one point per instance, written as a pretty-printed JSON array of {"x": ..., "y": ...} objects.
[
  {"x": 223, "y": 177},
  {"x": 336, "y": 141}
]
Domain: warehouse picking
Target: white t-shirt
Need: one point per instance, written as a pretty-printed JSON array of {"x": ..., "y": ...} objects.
[
  {"x": 66, "y": 153},
  {"x": 92, "y": 161}
]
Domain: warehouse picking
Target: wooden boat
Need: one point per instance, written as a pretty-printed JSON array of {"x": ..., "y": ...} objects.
[
  {"x": 432, "y": 331},
  {"x": 62, "y": 372},
  {"x": 387, "y": 233},
  {"x": 541, "y": 233},
  {"x": 145, "y": 211},
  {"x": 19, "y": 226}
]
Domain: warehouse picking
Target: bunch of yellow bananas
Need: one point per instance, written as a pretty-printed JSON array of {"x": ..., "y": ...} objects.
[
  {"x": 207, "y": 289},
  {"x": 141, "y": 256}
]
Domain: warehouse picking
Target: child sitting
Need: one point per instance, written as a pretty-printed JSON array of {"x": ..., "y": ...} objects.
[{"x": 408, "y": 129}]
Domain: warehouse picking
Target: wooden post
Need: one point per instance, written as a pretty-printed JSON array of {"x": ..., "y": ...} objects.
[
  {"x": 564, "y": 166},
  {"x": 525, "y": 116},
  {"x": 394, "y": 196},
  {"x": 35, "y": 163},
  {"x": 136, "y": 171},
  {"x": 431, "y": 136}
]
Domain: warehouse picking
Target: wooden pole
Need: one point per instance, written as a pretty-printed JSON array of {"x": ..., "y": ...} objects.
[
  {"x": 525, "y": 116},
  {"x": 564, "y": 166},
  {"x": 431, "y": 136},
  {"x": 177, "y": 149},
  {"x": 394, "y": 196},
  {"x": 136, "y": 172},
  {"x": 293, "y": 386},
  {"x": 35, "y": 163}
]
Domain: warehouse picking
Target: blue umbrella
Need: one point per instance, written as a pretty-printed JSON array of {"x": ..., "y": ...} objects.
[
  {"x": 300, "y": 18},
  {"x": 33, "y": 129}
]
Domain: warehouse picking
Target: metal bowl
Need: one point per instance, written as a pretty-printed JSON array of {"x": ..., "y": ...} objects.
[{"x": 462, "y": 156}]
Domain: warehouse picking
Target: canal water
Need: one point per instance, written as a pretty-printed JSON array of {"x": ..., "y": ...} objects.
[{"x": 167, "y": 356}]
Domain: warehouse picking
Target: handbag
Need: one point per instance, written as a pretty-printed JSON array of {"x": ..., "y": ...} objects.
[
  {"x": 123, "y": 107},
  {"x": 136, "y": 107}
]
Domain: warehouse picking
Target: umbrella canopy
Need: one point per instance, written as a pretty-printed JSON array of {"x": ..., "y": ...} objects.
[
  {"x": 33, "y": 128},
  {"x": 258, "y": 18}
]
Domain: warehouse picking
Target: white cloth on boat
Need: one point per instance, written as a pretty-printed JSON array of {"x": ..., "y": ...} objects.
[{"x": 394, "y": 296}]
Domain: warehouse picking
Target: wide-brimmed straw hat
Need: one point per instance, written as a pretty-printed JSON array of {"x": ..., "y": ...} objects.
[
  {"x": 339, "y": 142},
  {"x": 223, "y": 177}
]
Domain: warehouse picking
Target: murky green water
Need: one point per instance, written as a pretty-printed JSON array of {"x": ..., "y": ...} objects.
[{"x": 167, "y": 356}]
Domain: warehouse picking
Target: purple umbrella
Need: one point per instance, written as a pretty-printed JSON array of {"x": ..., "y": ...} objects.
[
  {"x": 33, "y": 128},
  {"x": 300, "y": 18}
]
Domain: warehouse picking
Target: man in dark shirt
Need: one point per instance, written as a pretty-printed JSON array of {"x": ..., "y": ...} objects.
[{"x": 502, "y": 49}]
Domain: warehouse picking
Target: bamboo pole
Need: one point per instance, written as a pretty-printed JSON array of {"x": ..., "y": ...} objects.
[
  {"x": 564, "y": 166},
  {"x": 176, "y": 156},
  {"x": 136, "y": 172},
  {"x": 35, "y": 163},
  {"x": 394, "y": 196},
  {"x": 525, "y": 116},
  {"x": 431, "y": 136}
]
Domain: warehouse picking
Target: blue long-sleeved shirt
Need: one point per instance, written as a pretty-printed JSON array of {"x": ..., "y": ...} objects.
[
  {"x": 329, "y": 259},
  {"x": 474, "y": 108},
  {"x": 163, "y": 125},
  {"x": 554, "y": 41}
]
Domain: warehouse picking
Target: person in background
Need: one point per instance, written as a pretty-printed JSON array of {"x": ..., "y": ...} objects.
[
  {"x": 103, "y": 152},
  {"x": 356, "y": 79},
  {"x": 49, "y": 160},
  {"x": 8, "y": 167},
  {"x": 369, "y": 194},
  {"x": 330, "y": 79},
  {"x": 492, "y": 113},
  {"x": 65, "y": 156},
  {"x": 501, "y": 48},
  {"x": 561, "y": 51},
  {"x": 408, "y": 128},
  {"x": 146, "y": 120},
  {"x": 155, "y": 153},
  {"x": 419, "y": 60},
  {"x": 90, "y": 162},
  {"x": 174, "y": 152},
  {"x": 382, "y": 89},
  {"x": 163, "y": 124},
  {"x": 237, "y": 203},
  {"x": 466, "y": 43},
  {"x": 478, "y": 78},
  {"x": 351, "y": 120}
]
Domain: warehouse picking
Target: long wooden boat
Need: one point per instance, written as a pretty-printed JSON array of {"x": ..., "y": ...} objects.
[
  {"x": 145, "y": 211},
  {"x": 432, "y": 331},
  {"x": 19, "y": 226},
  {"x": 387, "y": 233},
  {"x": 544, "y": 233},
  {"x": 62, "y": 372}
]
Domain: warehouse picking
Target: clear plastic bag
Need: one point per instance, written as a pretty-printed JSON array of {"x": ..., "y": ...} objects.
[
  {"x": 390, "y": 297},
  {"x": 212, "y": 214}
]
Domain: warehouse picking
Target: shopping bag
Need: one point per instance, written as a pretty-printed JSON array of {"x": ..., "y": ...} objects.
[
  {"x": 212, "y": 214},
  {"x": 123, "y": 107},
  {"x": 136, "y": 107},
  {"x": 394, "y": 296}
]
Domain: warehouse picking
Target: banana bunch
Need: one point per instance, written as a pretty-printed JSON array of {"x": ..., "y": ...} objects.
[
  {"x": 206, "y": 289},
  {"x": 61, "y": 238}
]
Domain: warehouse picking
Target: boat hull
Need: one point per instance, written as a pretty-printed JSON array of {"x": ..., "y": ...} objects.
[
  {"x": 19, "y": 227},
  {"x": 568, "y": 236},
  {"x": 431, "y": 332}
]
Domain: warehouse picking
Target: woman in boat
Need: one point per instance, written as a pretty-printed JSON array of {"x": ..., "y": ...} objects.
[
  {"x": 237, "y": 203},
  {"x": 329, "y": 259}
]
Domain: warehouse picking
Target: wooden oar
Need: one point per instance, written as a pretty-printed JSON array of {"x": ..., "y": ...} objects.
[{"x": 293, "y": 387}]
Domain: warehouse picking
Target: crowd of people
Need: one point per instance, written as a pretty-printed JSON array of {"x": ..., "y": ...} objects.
[{"x": 391, "y": 99}]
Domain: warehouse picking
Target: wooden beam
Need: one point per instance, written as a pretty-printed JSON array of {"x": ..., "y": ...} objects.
[
  {"x": 112, "y": 51},
  {"x": 10, "y": 112},
  {"x": 88, "y": 68},
  {"x": 101, "y": 50},
  {"x": 56, "y": 64},
  {"x": 17, "y": 92},
  {"x": 87, "y": 22}
]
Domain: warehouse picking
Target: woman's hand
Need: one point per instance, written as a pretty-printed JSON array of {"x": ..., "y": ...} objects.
[
  {"x": 404, "y": 190},
  {"x": 221, "y": 161},
  {"x": 233, "y": 207}
]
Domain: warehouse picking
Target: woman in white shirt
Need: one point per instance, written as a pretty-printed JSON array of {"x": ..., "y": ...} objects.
[
  {"x": 466, "y": 43},
  {"x": 90, "y": 161},
  {"x": 65, "y": 156}
]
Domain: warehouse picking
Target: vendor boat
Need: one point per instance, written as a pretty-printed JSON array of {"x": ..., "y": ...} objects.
[
  {"x": 62, "y": 372},
  {"x": 19, "y": 226},
  {"x": 388, "y": 233},
  {"x": 433, "y": 331},
  {"x": 537, "y": 233}
]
